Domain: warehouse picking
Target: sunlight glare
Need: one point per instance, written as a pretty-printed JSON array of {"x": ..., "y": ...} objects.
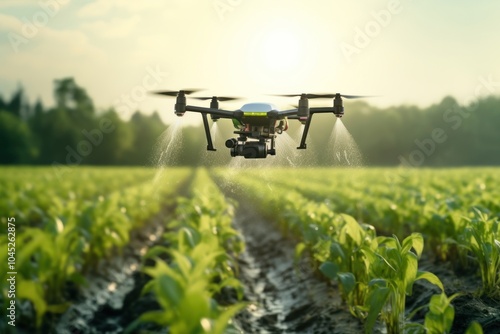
[{"x": 280, "y": 50}]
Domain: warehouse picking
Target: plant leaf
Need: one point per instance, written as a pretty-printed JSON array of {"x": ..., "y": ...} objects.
[
  {"x": 170, "y": 289},
  {"x": 299, "y": 249},
  {"x": 474, "y": 328},
  {"x": 329, "y": 269},
  {"x": 348, "y": 282},
  {"x": 415, "y": 241},
  {"x": 33, "y": 291},
  {"x": 223, "y": 319},
  {"x": 431, "y": 278},
  {"x": 375, "y": 301}
]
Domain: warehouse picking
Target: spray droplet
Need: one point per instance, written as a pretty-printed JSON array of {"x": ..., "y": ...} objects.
[
  {"x": 221, "y": 155},
  {"x": 167, "y": 148},
  {"x": 346, "y": 151}
]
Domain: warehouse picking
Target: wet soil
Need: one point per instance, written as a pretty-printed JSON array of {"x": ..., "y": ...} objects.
[
  {"x": 469, "y": 306},
  {"x": 284, "y": 297},
  {"x": 112, "y": 300}
]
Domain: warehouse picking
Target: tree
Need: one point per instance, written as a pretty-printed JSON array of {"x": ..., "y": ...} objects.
[
  {"x": 481, "y": 130},
  {"x": 74, "y": 100},
  {"x": 3, "y": 105},
  {"x": 69, "y": 95},
  {"x": 56, "y": 131},
  {"x": 115, "y": 143},
  {"x": 38, "y": 108},
  {"x": 15, "y": 105},
  {"x": 146, "y": 132},
  {"x": 15, "y": 140}
]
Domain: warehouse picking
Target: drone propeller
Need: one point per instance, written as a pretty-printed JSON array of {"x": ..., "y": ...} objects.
[
  {"x": 174, "y": 92},
  {"x": 355, "y": 96},
  {"x": 219, "y": 98},
  {"x": 323, "y": 96}
]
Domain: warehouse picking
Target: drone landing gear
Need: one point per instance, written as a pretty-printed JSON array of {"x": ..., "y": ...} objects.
[
  {"x": 210, "y": 145},
  {"x": 303, "y": 145},
  {"x": 272, "y": 150}
]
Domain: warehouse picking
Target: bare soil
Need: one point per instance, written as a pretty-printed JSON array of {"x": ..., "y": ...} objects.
[{"x": 284, "y": 297}]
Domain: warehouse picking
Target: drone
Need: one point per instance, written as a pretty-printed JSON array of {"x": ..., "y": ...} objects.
[{"x": 257, "y": 124}]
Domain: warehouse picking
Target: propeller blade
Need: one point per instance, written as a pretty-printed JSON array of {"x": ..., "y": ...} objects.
[
  {"x": 323, "y": 96},
  {"x": 219, "y": 98},
  {"x": 286, "y": 95},
  {"x": 203, "y": 98},
  {"x": 174, "y": 92},
  {"x": 309, "y": 96},
  {"x": 356, "y": 96},
  {"x": 227, "y": 98}
]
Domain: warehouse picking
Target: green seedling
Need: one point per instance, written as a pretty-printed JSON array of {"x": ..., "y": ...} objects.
[
  {"x": 474, "y": 328},
  {"x": 202, "y": 244},
  {"x": 482, "y": 239},
  {"x": 441, "y": 314},
  {"x": 347, "y": 262},
  {"x": 393, "y": 270}
]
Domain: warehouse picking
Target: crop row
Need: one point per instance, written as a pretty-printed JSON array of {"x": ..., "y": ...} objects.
[
  {"x": 375, "y": 273},
  {"x": 457, "y": 211},
  {"x": 75, "y": 236},
  {"x": 36, "y": 194},
  {"x": 201, "y": 246}
]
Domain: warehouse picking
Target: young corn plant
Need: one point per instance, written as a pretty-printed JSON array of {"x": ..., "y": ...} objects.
[
  {"x": 443, "y": 230},
  {"x": 482, "y": 239},
  {"x": 441, "y": 314},
  {"x": 393, "y": 270},
  {"x": 202, "y": 244},
  {"x": 474, "y": 328},
  {"x": 70, "y": 233},
  {"x": 438, "y": 319},
  {"x": 347, "y": 263},
  {"x": 183, "y": 291},
  {"x": 43, "y": 269}
]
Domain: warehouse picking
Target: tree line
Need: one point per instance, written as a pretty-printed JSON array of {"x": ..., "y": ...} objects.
[{"x": 74, "y": 132}]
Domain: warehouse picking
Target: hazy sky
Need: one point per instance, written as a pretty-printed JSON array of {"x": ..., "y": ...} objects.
[{"x": 405, "y": 51}]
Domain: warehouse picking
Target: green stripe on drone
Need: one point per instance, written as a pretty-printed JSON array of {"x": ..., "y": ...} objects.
[{"x": 254, "y": 113}]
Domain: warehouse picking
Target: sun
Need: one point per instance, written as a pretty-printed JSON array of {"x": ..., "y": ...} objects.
[{"x": 280, "y": 50}]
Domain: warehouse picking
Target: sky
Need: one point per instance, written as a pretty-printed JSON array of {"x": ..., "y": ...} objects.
[{"x": 403, "y": 51}]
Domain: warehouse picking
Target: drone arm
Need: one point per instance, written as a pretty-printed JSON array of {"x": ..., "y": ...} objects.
[
  {"x": 216, "y": 112},
  {"x": 292, "y": 113},
  {"x": 287, "y": 113},
  {"x": 320, "y": 110}
]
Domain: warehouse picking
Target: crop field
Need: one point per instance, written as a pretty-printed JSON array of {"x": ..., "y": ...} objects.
[{"x": 250, "y": 250}]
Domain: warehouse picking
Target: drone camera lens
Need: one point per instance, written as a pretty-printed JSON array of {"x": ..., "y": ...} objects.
[{"x": 230, "y": 143}]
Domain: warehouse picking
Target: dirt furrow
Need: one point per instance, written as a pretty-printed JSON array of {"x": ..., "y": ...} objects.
[
  {"x": 111, "y": 301},
  {"x": 284, "y": 298}
]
